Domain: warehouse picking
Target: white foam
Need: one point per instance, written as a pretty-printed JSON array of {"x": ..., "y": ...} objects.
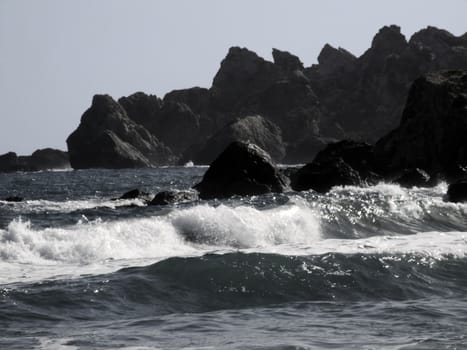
[
  {"x": 431, "y": 245},
  {"x": 98, "y": 247},
  {"x": 246, "y": 227},
  {"x": 29, "y": 206}
]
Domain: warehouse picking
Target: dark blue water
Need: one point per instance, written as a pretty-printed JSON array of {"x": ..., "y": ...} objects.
[{"x": 358, "y": 268}]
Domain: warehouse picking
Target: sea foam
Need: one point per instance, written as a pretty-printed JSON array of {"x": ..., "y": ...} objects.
[
  {"x": 291, "y": 229},
  {"x": 180, "y": 231}
]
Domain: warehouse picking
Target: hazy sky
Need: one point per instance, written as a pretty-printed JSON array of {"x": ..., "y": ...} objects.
[{"x": 56, "y": 54}]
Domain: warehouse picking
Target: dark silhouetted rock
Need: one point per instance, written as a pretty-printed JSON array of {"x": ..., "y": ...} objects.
[
  {"x": 415, "y": 178},
  {"x": 173, "y": 197},
  {"x": 389, "y": 40},
  {"x": 175, "y": 120},
  {"x": 178, "y": 126},
  {"x": 8, "y": 162},
  {"x": 342, "y": 97},
  {"x": 339, "y": 164},
  {"x": 49, "y": 158},
  {"x": 358, "y": 155},
  {"x": 457, "y": 192},
  {"x": 332, "y": 60},
  {"x": 292, "y": 106},
  {"x": 197, "y": 98},
  {"x": 365, "y": 97},
  {"x": 241, "y": 169},
  {"x": 42, "y": 159},
  {"x": 433, "y": 129},
  {"x": 322, "y": 176},
  {"x": 242, "y": 73},
  {"x": 143, "y": 109},
  {"x": 306, "y": 150},
  {"x": 286, "y": 61},
  {"x": 254, "y": 129},
  {"x": 14, "y": 199},
  {"x": 134, "y": 194},
  {"x": 441, "y": 45},
  {"x": 108, "y": 138}
]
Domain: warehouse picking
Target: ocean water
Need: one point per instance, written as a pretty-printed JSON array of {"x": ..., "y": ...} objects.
[{"x": 380, "y": 267}]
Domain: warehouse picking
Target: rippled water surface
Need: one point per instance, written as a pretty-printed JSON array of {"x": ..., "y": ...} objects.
[{"x": 365, "y": 268}]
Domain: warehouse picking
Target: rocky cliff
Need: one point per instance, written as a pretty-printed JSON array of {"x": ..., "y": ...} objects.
[
  {"x": 302, "y": 108},
  {"x": 432, "y": 134},
  {"x": 108, "y": 138}
]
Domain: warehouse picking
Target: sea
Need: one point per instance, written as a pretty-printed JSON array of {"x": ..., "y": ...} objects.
[{"x": 379, "y": 267}]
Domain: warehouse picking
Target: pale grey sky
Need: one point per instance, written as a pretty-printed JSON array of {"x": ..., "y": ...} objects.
[{"x": 56, "y": 54}]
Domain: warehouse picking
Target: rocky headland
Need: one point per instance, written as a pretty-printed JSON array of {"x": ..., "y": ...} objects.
[{"x": 289, "y": 110}]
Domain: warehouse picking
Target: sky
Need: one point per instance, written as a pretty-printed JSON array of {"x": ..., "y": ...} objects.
[{"x": 56, "y": 54}]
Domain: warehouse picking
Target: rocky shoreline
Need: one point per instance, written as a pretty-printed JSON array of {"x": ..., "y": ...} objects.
[{"x": 398, "y": 113}]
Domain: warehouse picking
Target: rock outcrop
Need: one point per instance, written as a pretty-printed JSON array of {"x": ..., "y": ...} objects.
[
  {"x": 42, "y": 159},
  {"x": 174, "y": 197},
  {"x": 108, "y": 138},
  {"x": 457, "y": 192},
  {"x": 8, "y": 162},
  {"x": 341, "y": 97},
  {"x": 364, "y": 97},
  {"x": 254, "y": 129},
  {"x": 48, "y": 158},
  {"x": 339, "y": 164},
  {"x": 429, "y": 143},
  {"x": 242, "y": 74},
  {"x": 135, "y": 194},
  {"x": 286, "y": 61},
  {"x": 241, "y": 169},
  {"x": 143, "y": 109},
  {"x": 433, "y": 129}
]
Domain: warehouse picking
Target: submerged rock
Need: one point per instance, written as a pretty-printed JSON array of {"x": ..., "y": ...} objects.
[
  {"x": 457, "y": 192},
  {"x": 14, "y": 199},
  {"x": 173, "y": 197},
  {"x": 134, "y": 194},
  {"x": 241, "y": 169}
]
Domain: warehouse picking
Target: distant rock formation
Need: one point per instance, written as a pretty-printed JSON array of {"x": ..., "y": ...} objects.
[
  {"x": 429, "y": 144},
  {"x": 42, "y": 159},
  {"x": 9, "y": 162},
  {"x": 364, "y": 97},
  {"x": 341, "y": 97},
  {"x": 108, "y": 138},
  {"x": 432, "y": 134},
  {"x": 254, "y": 129}
]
